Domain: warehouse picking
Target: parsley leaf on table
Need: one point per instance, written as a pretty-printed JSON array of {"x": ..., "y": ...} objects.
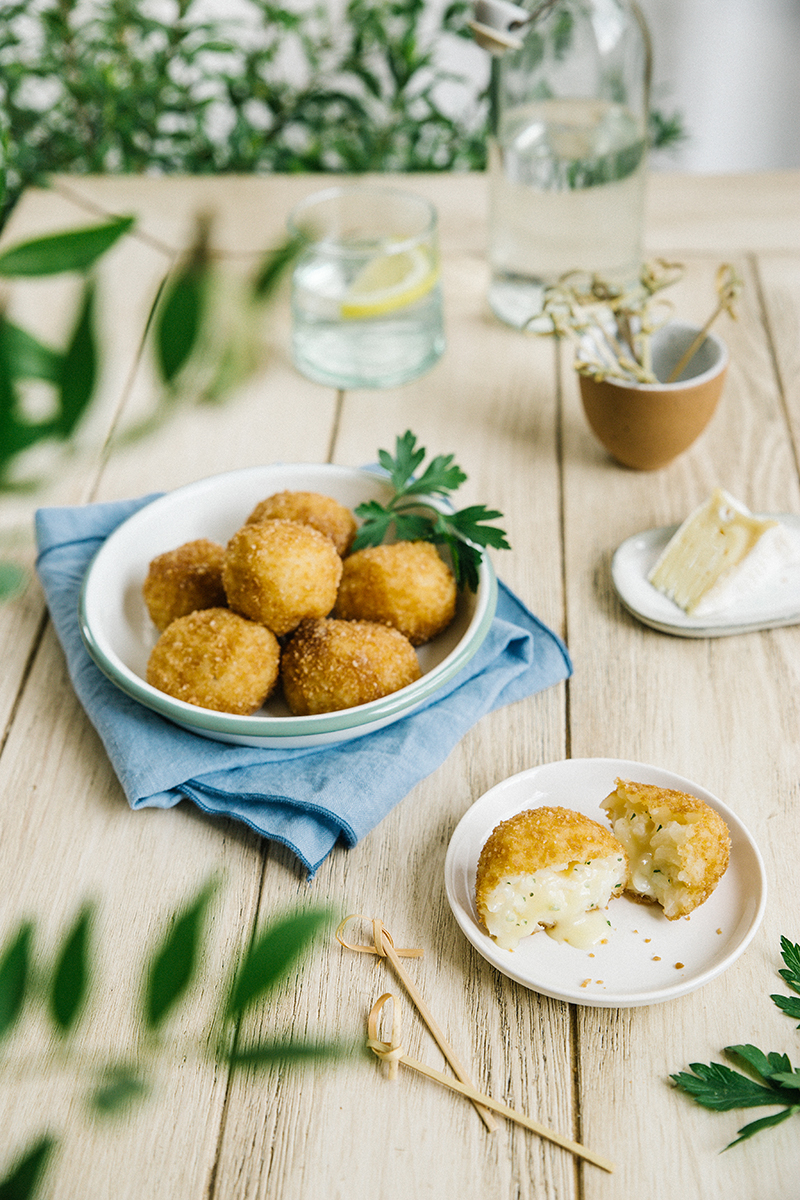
[
  {"x": 771, "y": 1079},
  {"x": 407, "y": 513},
  {"x": 791, "y": 973}
]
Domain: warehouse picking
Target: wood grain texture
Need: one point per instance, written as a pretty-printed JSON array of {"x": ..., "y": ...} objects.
[{"x": 723, "y": 712}]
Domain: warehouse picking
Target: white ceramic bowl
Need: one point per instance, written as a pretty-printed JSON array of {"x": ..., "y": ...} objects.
[{"x": 119, "y": 635}]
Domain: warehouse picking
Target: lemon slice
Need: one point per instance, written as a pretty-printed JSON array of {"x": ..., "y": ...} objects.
[{"x": 389, "y": 282}]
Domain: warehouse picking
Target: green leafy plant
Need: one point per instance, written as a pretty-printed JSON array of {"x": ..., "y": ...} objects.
[
  {"x": 771, "y": 1078},
  {"x": 119, "y": 86},
  {"x": 463, "y": 532},
  {"x": 67, "y": 989},
  {"x": 124, "y": 87}
]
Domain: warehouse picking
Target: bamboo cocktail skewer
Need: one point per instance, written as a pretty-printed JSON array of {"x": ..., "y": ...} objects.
[
  {"x": 384, "y": 947},
  {"x": 392, "y": 1053},
  {"x": 728, "y": 287}
]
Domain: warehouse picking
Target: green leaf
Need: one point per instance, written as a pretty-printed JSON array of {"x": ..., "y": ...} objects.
[
  {"x": 74, "y": 250},
  {"x": 275, "y": 265},
  {"x": 789, "y": 1004},
  {"x": 439, "y": 477},
  {"x": 267, "y": 1054},
  {"x": 13, "y": 578},
  {"x": 718, "y": 1087},
  {"x": 179, "y": 317},
  {"x": 787, "y": 1079},
  {"x": 71, "y": 976},
  {"x": 466, "y": 564},
  {"x": 377, "y": 521},
  {"x": 78, "y": 369},
  {"x": 765, "y": 1065},
  {"x": 23, "y": 1179},
  {"x": 29, "y": 358},
  {"x": 747, "y": 1131},
  {"x": 470, "y": 523},
  {"x": 14, "y": 972},
  {"x": 271, "y": 956},
  {"x": 120, "y": 1088},
  {"x": 13, "y": 437},
  {"x": 174, "y": 963},
  {"x": 453, "y": 529},
  {"x": 790, "y": 952},
  {"x": 405, "y": 462},
  {"x": 411, "y": 527}
]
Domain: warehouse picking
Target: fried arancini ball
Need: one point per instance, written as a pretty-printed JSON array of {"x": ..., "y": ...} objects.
[
  {"x": 278, "y": 572},
  {"x": 309, "y": 508},
  {"x": 180, "y": 581},
  {"x": 405, "y": 585},
  {"x": 549, "y": 868},
  {"x": 328, "y": 665},
  {"x": 678, "y": 846},
  {"x": 216, "y": 659}
]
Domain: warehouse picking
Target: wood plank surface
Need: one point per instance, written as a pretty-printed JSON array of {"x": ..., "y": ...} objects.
[{"x": 723, "y": 712}]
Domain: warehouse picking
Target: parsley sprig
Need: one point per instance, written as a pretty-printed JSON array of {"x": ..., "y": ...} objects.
[
  {"x": 771, "y": 1078},
  {"x": 412, "y": 516}
]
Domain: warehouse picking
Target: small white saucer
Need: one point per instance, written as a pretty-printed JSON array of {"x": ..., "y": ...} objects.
[
  {"x": 774, "y": 604},
  {"x": 647, "y": 959}
]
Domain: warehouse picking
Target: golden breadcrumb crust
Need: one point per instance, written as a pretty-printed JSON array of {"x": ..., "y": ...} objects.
[
  {"x": 329, "y": 665},
  {"x": 309, "y": 508},
  {"x": 537, "y": 838},
  {"x": 180, "y": 581},
  {"x": 698, "y": 863},
  {"x": 279, "y": 572},
  {"x": 216, "y": 659},
  {"x": 404, "y": 584}
]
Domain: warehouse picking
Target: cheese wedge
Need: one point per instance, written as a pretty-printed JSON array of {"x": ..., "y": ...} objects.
[{"x": 719, "y": 554}]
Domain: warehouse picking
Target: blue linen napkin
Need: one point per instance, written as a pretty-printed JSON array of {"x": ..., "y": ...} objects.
[{"x": 308, "y": 798}]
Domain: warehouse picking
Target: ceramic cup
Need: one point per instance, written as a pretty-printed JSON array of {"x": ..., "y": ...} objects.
[{"x": 647, "y": 425}]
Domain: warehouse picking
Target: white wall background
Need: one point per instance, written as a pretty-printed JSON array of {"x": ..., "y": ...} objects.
[{"x": 732, "y": 69}]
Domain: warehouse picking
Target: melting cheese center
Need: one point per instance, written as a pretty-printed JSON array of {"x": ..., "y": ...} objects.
[{"x": 568, "y": 901}]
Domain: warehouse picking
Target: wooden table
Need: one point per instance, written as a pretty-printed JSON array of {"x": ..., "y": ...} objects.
[{"x": 723, "y": 712}]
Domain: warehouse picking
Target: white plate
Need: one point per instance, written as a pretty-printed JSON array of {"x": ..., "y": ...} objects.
[
  {"x": 637, "y": 965},
  {"x": 776, "y": 603},
  {"x": 119, "y": 635}
]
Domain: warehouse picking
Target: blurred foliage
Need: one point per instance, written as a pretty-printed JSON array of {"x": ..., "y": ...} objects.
[
  {"x": 196, "y": 353},
  {"x": 127, "y": 86},
  {"x": 72, "y": 371},
  {"x": 67, "y": 988},
  {"x": 113, "y": 86}
]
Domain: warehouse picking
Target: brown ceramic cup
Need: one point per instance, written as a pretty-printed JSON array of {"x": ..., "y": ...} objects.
[{"x": 647, "y": 425}]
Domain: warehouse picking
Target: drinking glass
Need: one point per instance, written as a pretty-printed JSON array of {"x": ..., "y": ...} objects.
[{"x": 366, "y": 297}]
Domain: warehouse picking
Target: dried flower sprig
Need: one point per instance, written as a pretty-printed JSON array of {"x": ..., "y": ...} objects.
[{"x": 612, "y": 325}]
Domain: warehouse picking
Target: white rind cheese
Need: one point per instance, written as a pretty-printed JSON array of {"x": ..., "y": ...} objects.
[{"x": 719, "y": 555}]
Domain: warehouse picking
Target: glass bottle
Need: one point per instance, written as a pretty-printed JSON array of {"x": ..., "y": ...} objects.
[{"x": 567, "y": 148}]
